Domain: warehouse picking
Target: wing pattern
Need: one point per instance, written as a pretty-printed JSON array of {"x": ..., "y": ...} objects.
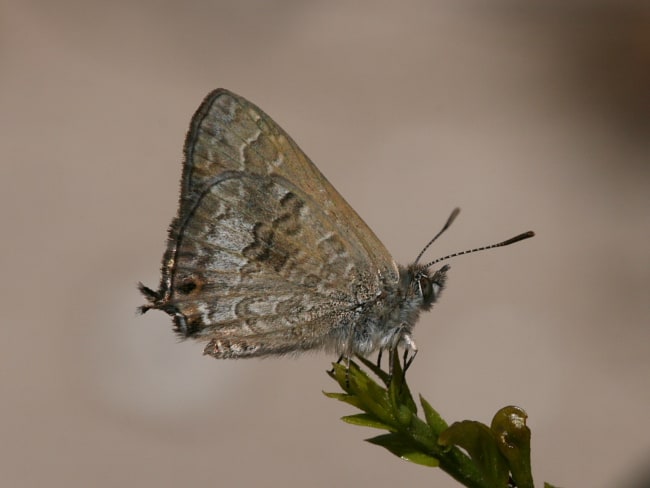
[{"x": 265, "y": 256}]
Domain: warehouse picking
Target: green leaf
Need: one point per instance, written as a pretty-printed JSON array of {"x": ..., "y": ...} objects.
[
  {"x": 367, "y": 394},
  {"x": 373, "y": 397},
  {"x": 365, "y": 420},
  {"x": 400, "y": 395},
  {"x": 344, "y": 397},
  {"x": 340, "y": 373},
  {"x": 480, "y": 443},
  {"x": 402, "y": 446},
  {"x": 381, "y": 374},
  {"x": 513, "y": 440},
  {"x": 433, "y": 418},
  {"x": 398, "y": 390}
]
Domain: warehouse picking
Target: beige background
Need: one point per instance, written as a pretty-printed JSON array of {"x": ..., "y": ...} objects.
[{"x": 526, "y": 114}]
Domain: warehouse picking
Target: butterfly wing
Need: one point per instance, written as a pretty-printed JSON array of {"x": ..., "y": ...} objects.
[{"x": 265, "y": 256}]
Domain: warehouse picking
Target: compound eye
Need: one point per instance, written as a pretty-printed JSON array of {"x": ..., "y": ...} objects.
[{"x": 426, "y": 288}]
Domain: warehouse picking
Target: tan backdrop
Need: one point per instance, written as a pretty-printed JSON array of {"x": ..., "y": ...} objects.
[{"x": 526, "y": 114}]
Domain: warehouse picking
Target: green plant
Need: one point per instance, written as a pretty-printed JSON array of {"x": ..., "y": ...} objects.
[{"x": 476, "y": 455}]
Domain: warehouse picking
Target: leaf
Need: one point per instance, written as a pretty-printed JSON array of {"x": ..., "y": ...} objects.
[
  {"x": 513, "y": 440},
  {"x": 362, "y": 391},
  {"x": 400, "y": 396},
  {"x": 381, "y": 374},
  {"x": 480, "y": 443},
  {"x": 374, "y": 399},
  {"x": 402, "y": 446},
  {"x": 365, "y": 420},
  {"x": 345, "y": 397},
  {"x": 433, "y": 418}
]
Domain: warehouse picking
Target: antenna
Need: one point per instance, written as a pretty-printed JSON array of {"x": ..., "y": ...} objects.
[
  {"x": 450, "y": 220},
  {"x": 512, "y": 240}
]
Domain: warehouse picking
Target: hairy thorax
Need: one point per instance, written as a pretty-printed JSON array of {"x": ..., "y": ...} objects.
[{"x": 386, "y": 320}]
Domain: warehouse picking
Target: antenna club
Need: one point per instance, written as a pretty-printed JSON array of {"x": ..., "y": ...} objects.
[
  {"x": 450, "y": 220},
  {"x": 520, "y": 237}
]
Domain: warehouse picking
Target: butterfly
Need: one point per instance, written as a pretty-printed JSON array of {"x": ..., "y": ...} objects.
[{"x": 266, "y": 258}]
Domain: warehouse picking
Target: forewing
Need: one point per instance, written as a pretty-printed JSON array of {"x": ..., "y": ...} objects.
[{"x": 230, "y": 133}]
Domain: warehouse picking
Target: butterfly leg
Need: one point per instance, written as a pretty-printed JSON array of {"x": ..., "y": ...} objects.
[
  {"x": 338, "y": 361},
  {"x": 347, "y": 367},
  {"x": 379, "y": 354},
  {"x": 408, "y": 360},
  {"x": 347, "y": 371},
  {"x": 409, "y": 347}
]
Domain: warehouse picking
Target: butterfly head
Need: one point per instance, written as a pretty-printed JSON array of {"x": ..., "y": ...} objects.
[{"x": 426, "y": 286}]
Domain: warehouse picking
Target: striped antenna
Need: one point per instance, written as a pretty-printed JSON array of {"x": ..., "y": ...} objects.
[
  {"x": 512, "y": 240},
  {"x": 452, "y": 217}
]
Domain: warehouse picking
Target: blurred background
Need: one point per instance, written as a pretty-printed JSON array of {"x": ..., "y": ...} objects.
[{"x": 527, "y": 114}]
